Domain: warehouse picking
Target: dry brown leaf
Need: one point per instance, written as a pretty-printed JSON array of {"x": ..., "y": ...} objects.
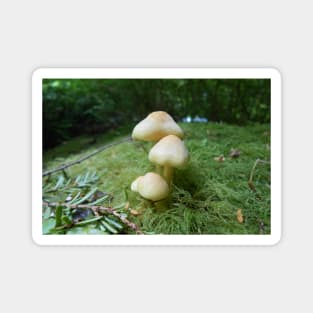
[
  {"x": 234, "y": 153},
  {"x": 221, "y": 158},
  {"x": 134, "y": 212},
  {"x": 126, "y": 205},
  {"x": 240, "y": 216}
]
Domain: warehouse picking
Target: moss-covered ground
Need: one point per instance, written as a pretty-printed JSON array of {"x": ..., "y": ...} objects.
[{"x": 206, "y": 195}]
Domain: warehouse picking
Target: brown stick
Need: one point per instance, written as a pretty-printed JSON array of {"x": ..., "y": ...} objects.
[
  {"x": 250, "y": 182},
  {"x": 64, "y": 166},
  {"x": 98, "y": 209}
]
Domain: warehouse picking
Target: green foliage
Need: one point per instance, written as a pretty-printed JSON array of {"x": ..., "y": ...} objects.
[
  {"x": 206, "y": 195},
  {"x": 65, "y": 216},
  {"x": 73, "y": 107}
]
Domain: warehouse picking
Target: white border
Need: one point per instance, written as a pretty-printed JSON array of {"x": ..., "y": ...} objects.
[{"x": 124, "y": 240}]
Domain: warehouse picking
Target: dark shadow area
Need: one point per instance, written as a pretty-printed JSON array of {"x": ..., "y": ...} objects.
[{"x": 89, "y": 107}]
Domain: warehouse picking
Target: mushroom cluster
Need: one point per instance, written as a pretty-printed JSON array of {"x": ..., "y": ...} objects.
[{"x": 168, "y": 153}]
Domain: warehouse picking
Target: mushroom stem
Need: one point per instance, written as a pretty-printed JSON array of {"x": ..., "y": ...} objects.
[
  {"x": 162, "y": 205},
  {"x": 168, "y": 174},
  {"x": 147, "y": 203},
  {"x": 158, "y": 169}
]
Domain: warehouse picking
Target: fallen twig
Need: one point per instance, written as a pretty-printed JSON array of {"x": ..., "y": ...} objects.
[
  {"x": 250, "y": 182},
  {"x": 98, "y": 209},
  {"x": 140, "y": 145},
  {"x": 64, "y": 166}
]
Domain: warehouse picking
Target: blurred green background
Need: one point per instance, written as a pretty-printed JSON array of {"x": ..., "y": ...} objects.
[{"x": 72, "y": 107}]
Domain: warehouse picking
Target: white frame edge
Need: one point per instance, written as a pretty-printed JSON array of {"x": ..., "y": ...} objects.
[{"x": 157, "y": 240}]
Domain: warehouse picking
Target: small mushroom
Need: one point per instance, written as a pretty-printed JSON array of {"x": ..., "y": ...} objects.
[
  {"x": 151, "y": 186},
  {"x": 169, "y": 152},
  {"x": 134, "y": 185},
  {"x": 156, "y": 126}
]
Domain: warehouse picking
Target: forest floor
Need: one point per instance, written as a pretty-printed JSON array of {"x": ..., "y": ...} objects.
[{"x": 210, "y": 196}]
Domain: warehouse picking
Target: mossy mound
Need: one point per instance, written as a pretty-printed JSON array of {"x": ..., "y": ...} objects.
[{"x": 206, "y": 195}]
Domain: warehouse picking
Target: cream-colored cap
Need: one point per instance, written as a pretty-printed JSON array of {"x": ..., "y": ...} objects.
[
  {"x": 169, "y": 151},
  {"x": 151, "y": 186},
  {"x": 156, "y": 126},
  {"x": 134, "y": 185}
]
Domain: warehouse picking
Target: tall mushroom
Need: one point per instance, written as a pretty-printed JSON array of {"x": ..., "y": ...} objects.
[
  {"x": 169, "y": 152},
  {"x": 151, "y": 186},
  {"x": 156, "y": 126}
]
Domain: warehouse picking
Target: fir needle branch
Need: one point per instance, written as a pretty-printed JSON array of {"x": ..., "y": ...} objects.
[{"x": 98, "y": 209}]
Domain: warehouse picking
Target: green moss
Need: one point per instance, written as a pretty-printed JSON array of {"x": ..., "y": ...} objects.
[{"x": 206, "y": 195}]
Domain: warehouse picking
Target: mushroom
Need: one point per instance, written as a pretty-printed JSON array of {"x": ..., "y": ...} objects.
[
  {"x": 169, "y": 152},
  {"x": 134, "y": 185},
  {"x": 151, "y": 186},
  {"x": 156, "y": 126}
]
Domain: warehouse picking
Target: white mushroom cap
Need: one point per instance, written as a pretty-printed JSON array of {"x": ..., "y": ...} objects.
[
  {"x": 156, "y": 126},
  {"x": 134, "y": 185},
  {"x": 169, "y": 151},
  {"x": 152, "y": 186}
]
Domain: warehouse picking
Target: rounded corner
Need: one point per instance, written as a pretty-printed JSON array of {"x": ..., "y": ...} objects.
[
  {"x": 276, "y": 240},
  {"x": 276, "y": 73},
  {"x": 37, "y": 73},
  {"x": 37, "y": 240}
]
